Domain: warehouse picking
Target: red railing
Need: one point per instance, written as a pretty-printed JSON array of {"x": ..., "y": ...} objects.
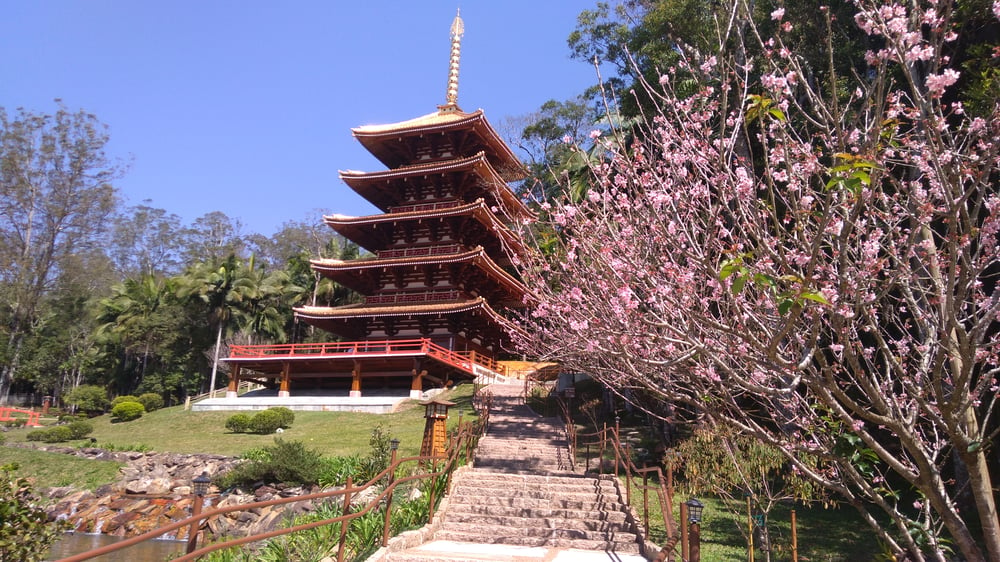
[
  {"x": 6, "y": 414},
  {"x": 374, "y": 348}
]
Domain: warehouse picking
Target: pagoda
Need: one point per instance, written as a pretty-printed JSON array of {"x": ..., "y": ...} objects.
[{"x": 438, "y": 275}]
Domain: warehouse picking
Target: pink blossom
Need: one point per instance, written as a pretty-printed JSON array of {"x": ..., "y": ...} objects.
[
  {"x": 567, "y": 139},
  {"x": 778, "y": 14},
  {"x": 595, "y": 133},
  {"x": 938, "y": 83}
]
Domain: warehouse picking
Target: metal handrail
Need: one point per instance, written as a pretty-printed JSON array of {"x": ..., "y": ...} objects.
[{"x": 461, "y": 444}]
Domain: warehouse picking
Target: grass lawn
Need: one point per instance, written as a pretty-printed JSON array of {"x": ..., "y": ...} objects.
[
  {"x": 48, "y": 470},
  {"x": 828, "y": 535},
  {"x": 330, "y": 433}
]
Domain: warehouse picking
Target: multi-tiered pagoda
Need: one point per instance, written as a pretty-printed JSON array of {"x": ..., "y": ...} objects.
[{"x": 439, "y": 272}]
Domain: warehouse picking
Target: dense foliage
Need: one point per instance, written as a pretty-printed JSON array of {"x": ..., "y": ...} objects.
[
  {"x": 25, "y": 531},
  {"x": 129, "y": 300}
]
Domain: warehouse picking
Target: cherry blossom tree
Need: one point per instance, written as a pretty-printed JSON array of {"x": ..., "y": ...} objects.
[{"x": 808, "y": 258}]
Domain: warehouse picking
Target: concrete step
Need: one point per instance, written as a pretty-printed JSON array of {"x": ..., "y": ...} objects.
[
  {"x": 487, "y": 478},
  {"x": 580, "y": 503},
  {"x": 466, "y": 511},
  {"x": 557, "y": 485},
  {"x": 524, "y": 519},
  {"x": 615, "y": 542}
]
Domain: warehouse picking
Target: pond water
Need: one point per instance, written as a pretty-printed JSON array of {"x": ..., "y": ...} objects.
[{"x": 149, "y": 551}]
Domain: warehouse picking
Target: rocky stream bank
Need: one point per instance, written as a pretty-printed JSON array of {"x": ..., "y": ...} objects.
[{"x": 154, "y": 490}]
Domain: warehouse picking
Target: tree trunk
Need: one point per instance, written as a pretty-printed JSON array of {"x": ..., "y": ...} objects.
[
  {"x": 215, "y": 363},
  {"x": 982, "y": 490}
]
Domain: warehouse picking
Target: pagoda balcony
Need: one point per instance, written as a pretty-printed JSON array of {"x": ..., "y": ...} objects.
[
  {"x": 420, "y": 251},
  {"x": 469, "y": 361},
  {"x": 411, "y": 298},
  {"x": 427, "y": 206}
]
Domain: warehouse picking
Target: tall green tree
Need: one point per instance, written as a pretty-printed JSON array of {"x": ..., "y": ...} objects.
[
  {"x": 55, "y": 194},
  {"x": 139, "y": 316},
  {"x": 147, "y": 241},
  {"x": 226, "y": 291}
]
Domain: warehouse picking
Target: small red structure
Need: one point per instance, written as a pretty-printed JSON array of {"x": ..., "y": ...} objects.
[{"x": 7, "y": 414}]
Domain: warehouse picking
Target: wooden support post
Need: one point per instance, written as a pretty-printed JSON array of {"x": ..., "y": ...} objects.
[
  {"x": 286, "y": 376},
  {"x": 417, "y": 384},
  {"x": 356, "y": 380},
  {"x": 685, "y": 542},
  {"x": 234, "y": 381},
  {"x": 795, "y": 539}
]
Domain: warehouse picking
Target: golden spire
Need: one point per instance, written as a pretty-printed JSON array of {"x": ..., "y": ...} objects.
[{"x": 457, "y": 29}]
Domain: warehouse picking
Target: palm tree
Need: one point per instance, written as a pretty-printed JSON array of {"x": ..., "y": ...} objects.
[
  {"x": 227, "y": 291},
  {"x": 134, "y": 315}
]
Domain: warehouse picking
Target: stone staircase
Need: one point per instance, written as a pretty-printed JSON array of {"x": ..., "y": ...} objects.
[{"x": 521, "y": 501}]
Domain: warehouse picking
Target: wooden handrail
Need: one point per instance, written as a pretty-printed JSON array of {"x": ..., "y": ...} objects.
[
  {"x": 462, "y": 441},
  {"x": 610, "y": 437}
]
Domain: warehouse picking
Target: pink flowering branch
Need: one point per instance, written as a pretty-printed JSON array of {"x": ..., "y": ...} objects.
[{"x": 816, "y": 271}]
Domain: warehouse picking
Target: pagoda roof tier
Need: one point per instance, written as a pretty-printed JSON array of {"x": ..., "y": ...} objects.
[
  {"x": 368, "y": 276},
  {"x": 377, "y": 232},
  {"x": 395, "y": 144},
  {"x": 387, "y": 189},
  {"x": 352, "y": 321}
]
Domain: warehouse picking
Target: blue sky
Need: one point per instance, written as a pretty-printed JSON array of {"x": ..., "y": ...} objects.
[{"x": 246, "y": 106}]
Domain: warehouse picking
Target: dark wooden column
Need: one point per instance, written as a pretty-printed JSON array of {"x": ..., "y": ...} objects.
[
  {"x": 234, "y": 381},
  {"x": 286, "y": 375},
  {"x": 356, "y": 380}
]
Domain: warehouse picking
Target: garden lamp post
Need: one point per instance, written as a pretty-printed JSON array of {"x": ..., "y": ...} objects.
[
  {"x": 199, "y": 485},
  {"x": 393, "y": 447},
  {"x": 695, "y": 509}
]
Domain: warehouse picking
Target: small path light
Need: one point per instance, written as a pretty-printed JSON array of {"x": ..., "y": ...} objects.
[
  {"x": 694, "y": 509},
  {"x": 199, "y": 485}
]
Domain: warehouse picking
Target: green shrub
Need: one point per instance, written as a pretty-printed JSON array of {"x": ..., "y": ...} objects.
[
  {"x": 151, "y": 401},
  {"x": 89, "y": 398},
  {"x": 336, "y": 470},
  {"x": 31, "y": 534},
  {"x": 238, "y": 423},
  {"x": 36, "y": 435},
  {"x": 16, "y": 423},
  {"x": 265, "y": 422},
  {"x": 123, "y": 398},
  {"x": 57, "y": 434},
  {"x": 287, "y": 462},
  {"x": 71, "y": 417},
  {"x": 287, "y": 416},
  {"x": 3, "y": 438},
  {"x": 128, "y": 411},
  {"x": 80, "y": 429}
]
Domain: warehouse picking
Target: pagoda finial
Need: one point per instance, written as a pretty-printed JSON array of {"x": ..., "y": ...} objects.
[{"x": 457, "y": 29}]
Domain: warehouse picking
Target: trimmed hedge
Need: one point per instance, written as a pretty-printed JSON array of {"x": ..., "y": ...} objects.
[
  {"x": 80, "y": 429},
  {"x": 128, "y": 411},
  {"x": 287, "y": 416},
  {"x": 266, "y": 422},
  {"x": 123, "y": 398},
  {"x": 56, "y": 434},
  {"x": 238, "y": 423},
  {"x": 151, "y": 401}
]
